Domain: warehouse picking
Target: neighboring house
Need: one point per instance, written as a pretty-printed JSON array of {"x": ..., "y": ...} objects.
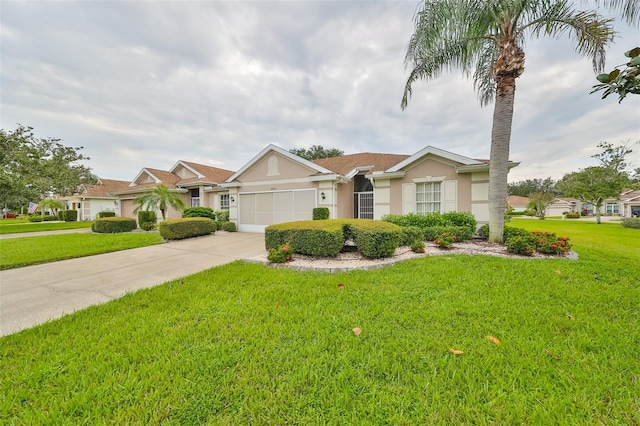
[
  {"x": 95, "y": 198},
  {"x": 518, "y": 203},
  {"x": 626, "y": 205},
  {"x": 199, "y": 185},
  {"x": 277, "y": 186}
]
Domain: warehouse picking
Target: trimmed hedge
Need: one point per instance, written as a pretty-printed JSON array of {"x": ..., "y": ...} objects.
[
  {"x": 320, "y": 213},
  {"x": 70, "y": 215},
  {"x": 146, "y": 216},
  {"x": 434, "y": 219},
  {"x": 49, "y": 218},
  {"x": 411, "y": 234},
  {"x": 199, "y": 212},
  {"x": 373, "y": 238},
  {"x": 631, "y": 222},
  {"x": 35, "y": 218},
  {"x": 229, "y": 226},
  {"x": 508, "y": 232},
  {"x": 178, "y": 229},
  {"x": 100, "y": 215},
  {"x": 112, "y": 225},
  {"x": 462, "y": 233}
]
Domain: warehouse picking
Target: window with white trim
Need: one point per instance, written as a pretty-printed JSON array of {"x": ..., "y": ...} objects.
[
  {"x": 224, "y": 201},
  {"x": 613, "y": 208},
  {"x": 428, "y": 197}
]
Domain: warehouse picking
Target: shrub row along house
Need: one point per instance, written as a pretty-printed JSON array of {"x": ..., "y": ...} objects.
[{"x": 277, "y": 186}]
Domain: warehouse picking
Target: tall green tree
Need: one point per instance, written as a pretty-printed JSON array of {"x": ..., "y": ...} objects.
[
  {"x": 32, "y": 168},
  {"x": 539, "y": 202},
  {"x": 525, "y": 187},
  {"x": 316, "y": 152},
  {"x": 485, "y": 38},
  {"x": 159, "y": 198}
]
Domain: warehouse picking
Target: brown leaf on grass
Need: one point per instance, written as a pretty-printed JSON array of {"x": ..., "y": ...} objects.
[
  {"x": 456, "y": 351},
  {"x": 278, "y": 305},
  {"x": 493, "y": 339},
  {"x": 357, "y": 331},
  {"x": 571, "y": 317},
  {"x": 557, "y": 271},
  {"x": 552, "y": 355},
  {"x": 340, "y": 286}
]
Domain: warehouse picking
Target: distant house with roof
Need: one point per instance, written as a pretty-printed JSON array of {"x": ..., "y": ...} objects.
[
  {"x": 198, "y": 184},
  {"x": 518, "y": 203},
  {"x": 95, "y": 198}
]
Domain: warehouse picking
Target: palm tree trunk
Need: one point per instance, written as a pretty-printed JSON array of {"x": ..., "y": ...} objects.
[{"x": 499, "y": 157}]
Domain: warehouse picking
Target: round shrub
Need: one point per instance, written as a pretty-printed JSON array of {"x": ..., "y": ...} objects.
[
  {"x": 145, "y": 216},
  {"x": 523, "y": 245},
  {"x": 100, "y": 215},
  {"x": 280, "y": 254},
  {"x": 35, "y": 218},
  {"x": 112, "y": 225},
  {"x": 229, "y": 226},
  {"x": 631, "y": 222},
  {"x": 222, "y": 215},
  {"x": 320, "y": 213},
  {"x": 199, "y": 212},
  {"x": 178, "y": 229},
  {"x": 148, "y": 226},
  {"x": 70, "y": 215},
  {"x": 459, "y": 219},
  {"x": 417, "y": 246},
  {"x": 49, "y": 218}
]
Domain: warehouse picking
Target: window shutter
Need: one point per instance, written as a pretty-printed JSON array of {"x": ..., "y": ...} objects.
[
  {"x": 450, "y": 196},
  {"x": 408, "y": 195}
]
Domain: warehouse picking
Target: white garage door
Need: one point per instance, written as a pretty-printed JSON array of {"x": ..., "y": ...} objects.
[{"x": 260, "y": 209}]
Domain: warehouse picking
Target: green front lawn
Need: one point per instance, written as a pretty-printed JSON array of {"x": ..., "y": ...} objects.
[
  {"x": 248, "y": 344},
  {"x": 7, "y": 227},
  {"x": 24, "y": 251}
]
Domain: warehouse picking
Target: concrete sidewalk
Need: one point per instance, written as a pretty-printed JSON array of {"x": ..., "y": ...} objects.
[{"x": 35, "y": 294}]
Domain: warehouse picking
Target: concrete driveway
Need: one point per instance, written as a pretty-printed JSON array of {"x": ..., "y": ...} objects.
[{"x": 35, "y": 294}]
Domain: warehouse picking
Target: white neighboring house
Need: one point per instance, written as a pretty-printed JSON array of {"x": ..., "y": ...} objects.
[
  {"x": 96, "y": 198},
  {"x": 626, "y": 205}
]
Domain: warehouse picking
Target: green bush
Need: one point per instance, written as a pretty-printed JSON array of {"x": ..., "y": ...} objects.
[
  {"x": 49, "y": 218},
  {"x": 459, "y": 219},
  {"x": 280, "y": 254},
  {"x": 523, "y": 245},
  {"x": 508, "y": 232},
  {"x": 417, "y": 246},
  {"x": 100, "y": 215},
  {"x": 178, "y": 229},
  {"x": 148, "y": 226},
  {"x": 228, "y": 226},
  {"x": 222, "y": 215},
  {"x": 199, "y": 212},
  {"x": 70, "y": 215},
  {"x": 445, "y": 239},
  {"x": 410, "y": 234},
  {"x": 549, "y": 243},
  {"x": 320, "y": 213},
  {"x": 35, "y": 218},
  {"x": 374, "y": 238},
  {"x": 314, "y": 238},
  {"x": 112, "y": 225},
  {"x": 631, "y": 222},
  {"x": 575, "y": 215},
  {"x": 462, "y": 233},
  {"x": 60, "y": 215},
  {"x": 145, "y": 216}
]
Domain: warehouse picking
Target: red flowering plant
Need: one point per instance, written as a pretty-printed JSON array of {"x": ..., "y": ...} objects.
[
  {"x": 549, "y": 243},
  {"x": 445, "y": 240},
  {"x": 281, "y": 254}
]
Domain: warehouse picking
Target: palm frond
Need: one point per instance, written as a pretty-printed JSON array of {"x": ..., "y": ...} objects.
[{"x": 629, "y": 9}]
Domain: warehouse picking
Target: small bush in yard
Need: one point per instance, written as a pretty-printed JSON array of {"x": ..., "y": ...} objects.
[
  {"x": 280, "y": 254},
  {"x": 445, "y": 240},
  {"x": 417, "y": 246},
  {"x": 70, "y": 215},
  {"x": 49, "y": 218},
  {"x": 145, "y": 216},
  {"x": 199, "y": 212},
  {"x": 631, "y": 222},
  {"x": 523, "y": 245},
  {"x": 148, "y": 226},
  {"x": 35, "y": 218},
  {"x": 411, "y": 234},
  {"x": 320, "y": 213},
  {"x": 229, "y": 226},
  {"x": 222, "y": 215},
  {"x": 462, "y": 233},
  {"x": 549, "y": 243},
  {"x": 178, "y": 229},
  {"x": 112, "y": 225}
]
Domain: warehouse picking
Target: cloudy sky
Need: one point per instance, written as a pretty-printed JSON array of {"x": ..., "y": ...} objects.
[{"x": 147, "y": 83}]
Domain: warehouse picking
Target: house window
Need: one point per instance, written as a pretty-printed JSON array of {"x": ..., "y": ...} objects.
[
  {"x": 195, "y": 197},
  {"x": 613, "y": 208},
  {"x": 224, "y": 201},
  {"x": 428, "y": 197}
]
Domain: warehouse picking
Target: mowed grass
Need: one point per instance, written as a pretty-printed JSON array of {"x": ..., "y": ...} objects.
[
  {"x": 24, "y": 251},
  {"x": 248, "y": 344},
  {"x": 8, "y": 227}
]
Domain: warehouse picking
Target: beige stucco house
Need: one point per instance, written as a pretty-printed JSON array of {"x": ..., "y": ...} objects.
[
  {"x": 277, "y": 186},
  {"x": 198, "y": 184},
  {"x": 625, "y": 205},
  {"x": 93, "y": 199}
]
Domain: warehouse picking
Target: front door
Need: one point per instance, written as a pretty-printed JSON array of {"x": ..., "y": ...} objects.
[{"x": 363, "y": 205}]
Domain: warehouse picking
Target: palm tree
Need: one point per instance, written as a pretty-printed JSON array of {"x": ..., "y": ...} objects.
[
  {"x": 51, "y": 204},
  {"x": 486, "y": 37},
  {"x": 159, "y": 198}
]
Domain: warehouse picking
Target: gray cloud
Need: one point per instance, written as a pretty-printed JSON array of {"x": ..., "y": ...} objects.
[{"x": 148, "y": 83}]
